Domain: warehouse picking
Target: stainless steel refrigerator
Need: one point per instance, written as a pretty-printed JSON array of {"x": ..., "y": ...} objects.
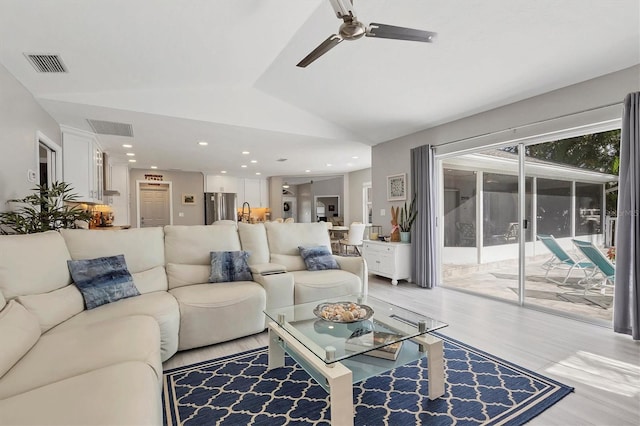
[{"x": 219, "y": 206}]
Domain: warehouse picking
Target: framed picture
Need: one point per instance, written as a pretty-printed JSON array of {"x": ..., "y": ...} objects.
[
  {"x": 188, "y": 199},
  {"x": 397, "y": 187}
]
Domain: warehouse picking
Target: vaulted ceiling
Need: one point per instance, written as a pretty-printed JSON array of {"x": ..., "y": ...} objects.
[{"x": 225, "y": 72}]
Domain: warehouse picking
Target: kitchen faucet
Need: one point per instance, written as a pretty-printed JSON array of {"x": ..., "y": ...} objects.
[{"x": 246, "y": 217}]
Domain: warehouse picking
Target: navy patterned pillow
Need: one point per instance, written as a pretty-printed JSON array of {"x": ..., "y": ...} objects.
[
  {"x": 228, "y": 266},
  {"x": 318, "y": 258},
  {"x": 102, "y": 280}
]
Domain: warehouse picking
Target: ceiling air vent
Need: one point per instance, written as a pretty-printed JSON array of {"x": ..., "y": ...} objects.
[
  {"x": 46, "y": 63},
  {"x": 111, "y": 128}
]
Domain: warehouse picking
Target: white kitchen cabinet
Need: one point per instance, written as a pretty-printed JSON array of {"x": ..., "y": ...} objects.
[
  {"x": 217, "y": 183},
  {"x": 390, "y": 260},
  {"x": 82, "y": 164},
  {"x": 254, "y": 191}
]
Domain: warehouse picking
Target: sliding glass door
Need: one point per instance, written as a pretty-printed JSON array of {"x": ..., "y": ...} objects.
[{"x": 504, "y": 211}]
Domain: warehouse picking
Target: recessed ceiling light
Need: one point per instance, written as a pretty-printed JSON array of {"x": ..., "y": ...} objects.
[
  {"x": 132, "y": 161},
  {"x": 307, "y": 171},
  {"x": 243, "y": 166},
  {"x": 130, "y": 154},
  {"x": 355, "y": 157},
  {"x": 203, "y": 143},
  {"x": 126, "y": 145},
  {"x": 246, "y": 152},
  {"x": 254, "y": 161},
  {"x": 329, "y": 164},
  {"x": 285, "y": 186},
  {"x": 223, "y": 171},
  {"x": 258, "y": 173},
  {"x": 154, "y": 167}
]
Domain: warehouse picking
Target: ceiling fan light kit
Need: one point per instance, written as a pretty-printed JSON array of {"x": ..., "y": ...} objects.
[{"x": 352, "y": 29}]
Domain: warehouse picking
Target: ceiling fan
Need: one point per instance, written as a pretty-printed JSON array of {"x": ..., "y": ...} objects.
[{"x": 352, "y": 29}]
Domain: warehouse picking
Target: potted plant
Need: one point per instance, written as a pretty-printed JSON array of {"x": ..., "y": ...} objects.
[
  {"x": 44, "y": 210},
  {"x": 407, "y": 217}
]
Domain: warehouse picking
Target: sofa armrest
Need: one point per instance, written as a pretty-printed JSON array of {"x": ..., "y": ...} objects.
[
  {"x": 267, "y": 268},
  {"x": 357, "y": 266},
  {"x": 279, "y": 288}
]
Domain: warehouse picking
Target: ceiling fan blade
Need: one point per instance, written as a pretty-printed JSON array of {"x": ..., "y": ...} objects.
[
  {"x": 343, "y": 8},
  {"x": 324, "y": 47},
  {"x": 399, "y": 33}
]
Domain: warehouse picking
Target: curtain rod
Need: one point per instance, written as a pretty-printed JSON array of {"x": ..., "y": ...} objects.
[{"x": 524, "y": 126}]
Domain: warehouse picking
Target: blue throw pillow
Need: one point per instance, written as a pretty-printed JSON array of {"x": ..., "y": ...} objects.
[
  {"x": 228, "y": 266},
  {"x": 102, "y": 280},
  {"x": 318, "y": 258}
]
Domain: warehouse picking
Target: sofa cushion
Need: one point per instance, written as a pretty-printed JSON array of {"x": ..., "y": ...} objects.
[
  {"x": 121, "y": 394},
  {"x": 181, "y": 275},
  {"x": 316, "y": 285},
  {"x": 54, "y": 307},
  {"x": 79, "y": 350},
  {"x": 192, "y": 245},
  {"x": 2, "y": 301},
  {"x": 20, "y": 256},
  {"x": 142, "y": 247},
  {"x": 154, "y": 279},
  {"x": 216, "y": 313},
  {"x": 102, "y": 280},
  {"x": 253, "y": 238},
  {"x": 285, "y": 238},
  {"x": 19, "y": 331},
  {"x": 318, "y": 258},
  {"x": 160, "y": 305},
  {"x": 229, "y": 266}
]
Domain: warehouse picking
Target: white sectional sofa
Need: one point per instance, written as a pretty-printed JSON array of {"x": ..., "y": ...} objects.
[{"x": 62, "y": 364}]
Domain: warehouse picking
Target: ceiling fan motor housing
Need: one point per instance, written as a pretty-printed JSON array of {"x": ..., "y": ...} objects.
[{"x": 352, "y": 30}]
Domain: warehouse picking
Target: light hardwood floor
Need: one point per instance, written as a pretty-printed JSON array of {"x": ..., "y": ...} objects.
[{"x": 604, "y": 367}]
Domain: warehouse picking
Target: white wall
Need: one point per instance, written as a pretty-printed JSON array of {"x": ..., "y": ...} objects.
[
  {"x": 356, "y": 180},
  {"x": 569, "y": 107},
  {"x": 20, "y": 118}
]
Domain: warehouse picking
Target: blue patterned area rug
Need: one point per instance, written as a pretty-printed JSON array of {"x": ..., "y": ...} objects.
[{"x": 480, "y": 389}]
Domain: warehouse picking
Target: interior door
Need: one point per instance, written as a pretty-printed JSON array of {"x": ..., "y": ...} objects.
[{"x": 154, "y": 205}]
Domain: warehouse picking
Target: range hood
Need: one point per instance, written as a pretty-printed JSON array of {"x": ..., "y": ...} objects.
[{"x": 106, "y": 177}]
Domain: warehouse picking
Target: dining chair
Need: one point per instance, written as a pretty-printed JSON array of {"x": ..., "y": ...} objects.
[
  {"x": 333, "y": 239},
  {"x": 289, "y": 220},
  {"x": 354, "y": 238}
]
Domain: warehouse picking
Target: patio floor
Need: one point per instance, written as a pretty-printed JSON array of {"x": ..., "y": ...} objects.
[{"x": 501, "y": 280}]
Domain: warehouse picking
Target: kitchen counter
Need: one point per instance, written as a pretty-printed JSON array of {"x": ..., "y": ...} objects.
[{"x": 112, "y": 228}]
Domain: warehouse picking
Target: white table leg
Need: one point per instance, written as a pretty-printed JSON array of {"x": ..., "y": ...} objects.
[
  {"x": 435, "y": 369},
  {"x": 341, "y": 399},
  {"x": 339, "y": 377},
  {"x": 435, "y": 363},
  {"x": 276, "y": 352}
]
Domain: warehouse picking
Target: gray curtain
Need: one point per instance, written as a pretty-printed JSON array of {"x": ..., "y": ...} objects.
[
  {"x": 423, "y": 234},
  {"x": 626, "y": 311}
]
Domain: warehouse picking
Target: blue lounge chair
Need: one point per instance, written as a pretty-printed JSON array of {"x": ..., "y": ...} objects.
[
  {"x": 561, "y": 259},
  {"x": 603, "y": 276}
]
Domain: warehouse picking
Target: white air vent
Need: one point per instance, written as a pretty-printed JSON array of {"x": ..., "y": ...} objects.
[
  {"x": 111, "y": 128},
  {"x": 46, "y": 63}
]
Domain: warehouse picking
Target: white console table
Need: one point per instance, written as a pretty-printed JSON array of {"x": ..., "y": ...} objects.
[{"x": 390, "y": 260}]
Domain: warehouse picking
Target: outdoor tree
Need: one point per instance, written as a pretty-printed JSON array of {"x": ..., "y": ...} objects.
[{"x": 597, "y": 151}]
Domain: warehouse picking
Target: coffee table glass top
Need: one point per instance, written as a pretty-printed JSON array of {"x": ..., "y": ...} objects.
[{"x": 328, "y": 339}]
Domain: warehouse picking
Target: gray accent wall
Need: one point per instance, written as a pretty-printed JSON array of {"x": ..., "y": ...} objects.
[
  {"x": 20, "y": 118},
  {"x": 581, "y": 104},
  {"x": 181, "y": 183}
]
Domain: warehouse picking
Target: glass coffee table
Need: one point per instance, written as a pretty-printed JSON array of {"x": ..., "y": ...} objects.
[{"x": 320, "y": 337}]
